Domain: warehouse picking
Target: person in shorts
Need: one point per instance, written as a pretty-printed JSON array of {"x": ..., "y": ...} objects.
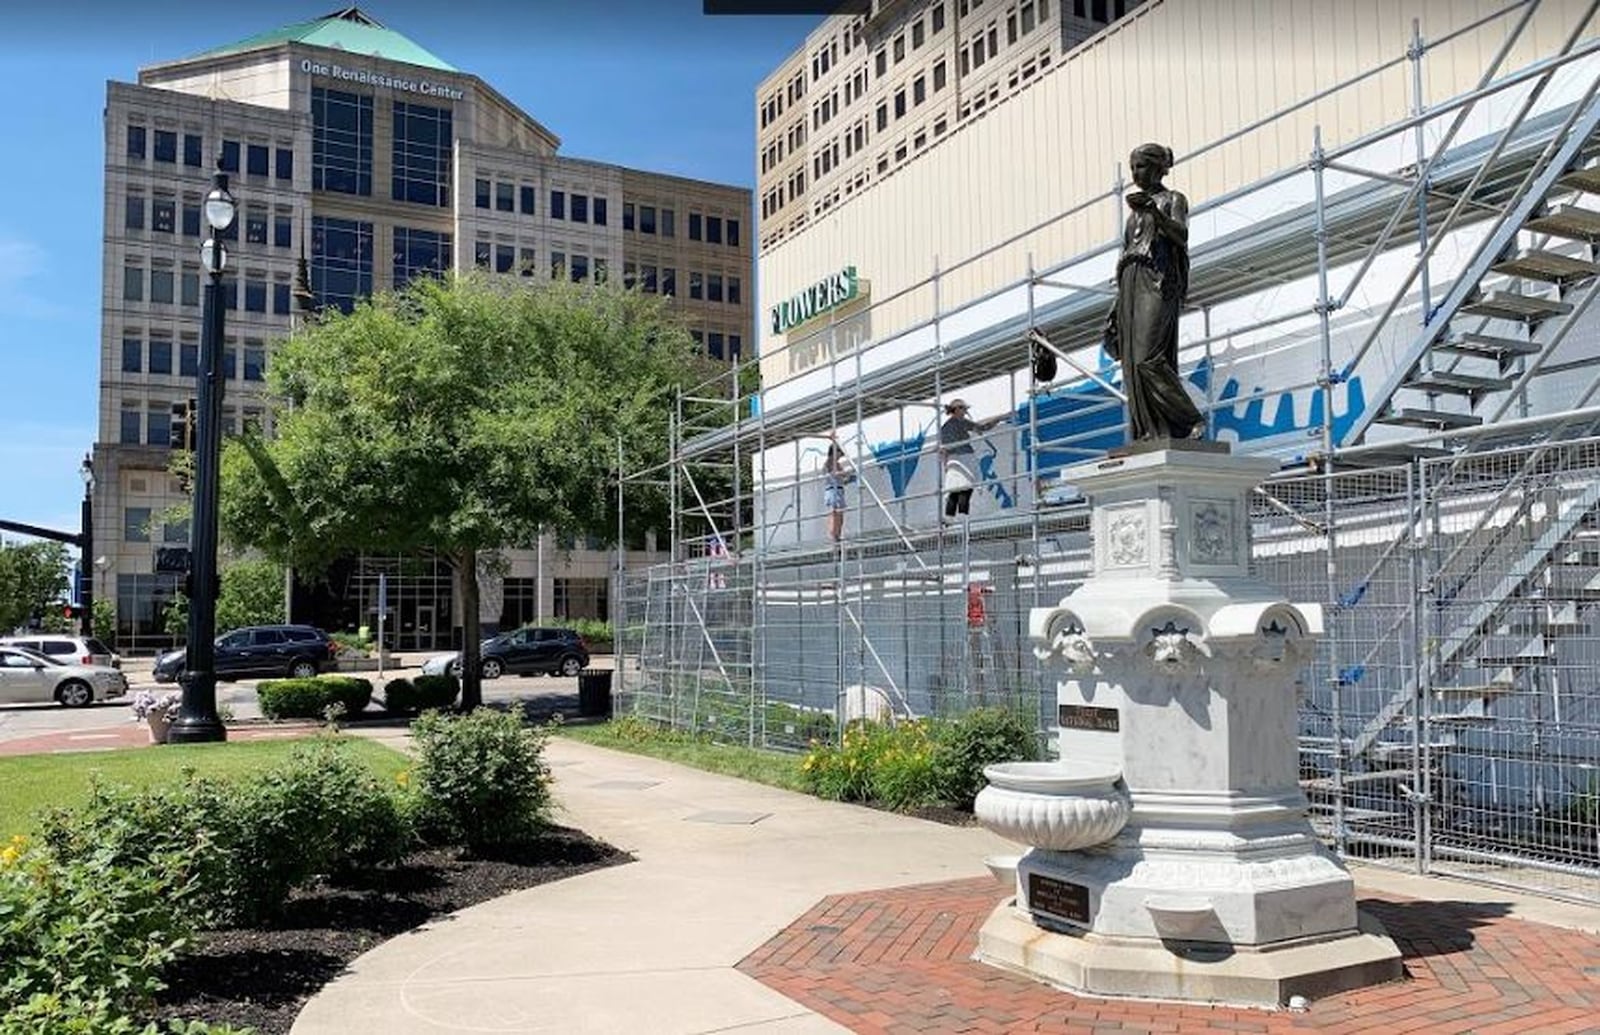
[{"x": 835, "y": 476}]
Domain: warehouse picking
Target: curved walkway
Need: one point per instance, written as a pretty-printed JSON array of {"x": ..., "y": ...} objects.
[{"x": 730, "y": 872}]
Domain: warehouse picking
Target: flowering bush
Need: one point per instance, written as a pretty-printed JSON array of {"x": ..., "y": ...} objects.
[{"x": 146, "y": 703}]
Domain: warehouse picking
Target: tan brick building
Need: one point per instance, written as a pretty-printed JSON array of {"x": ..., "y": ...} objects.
[{"x": 355, "y": 147}]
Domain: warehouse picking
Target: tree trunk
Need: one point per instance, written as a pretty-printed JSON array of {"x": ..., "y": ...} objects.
[{"x": 466, "y": 564}]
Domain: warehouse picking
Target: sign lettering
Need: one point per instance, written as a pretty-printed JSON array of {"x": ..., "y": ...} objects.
[
  {"x": 383, "y": 79},
  {"x": 1084, "y": 717},
  {"x": 827, "y": 293},
  {"x": 1058, "y": 899}
]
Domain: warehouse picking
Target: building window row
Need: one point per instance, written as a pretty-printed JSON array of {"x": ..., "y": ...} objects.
[
  {"x": 714, "y": 229},
  {"x": 420, "y": 253},
  {"x": 649, "y": 219},
  {"x": 715, "y": 287},
  {"x": 341, "y": 142},
  {"x": 423, "y": 152},
  {"x": 341, "y": 262},
  {"x": 824, "y": 58},
  {"x": 572, "y": 207},
  {"x": 718, "y": 344},
  {"x": 167, "y": 285},
  {"x": 650, "y": 278},
  {"x": 823, "y": 111},
  {"x": 261, "y": 160}
]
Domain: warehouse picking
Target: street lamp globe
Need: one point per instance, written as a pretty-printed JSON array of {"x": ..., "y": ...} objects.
[
  {"x": 219, "y": 206},
  {"x": 213, "y": 256},
  {"x": 86, "y": 472}
]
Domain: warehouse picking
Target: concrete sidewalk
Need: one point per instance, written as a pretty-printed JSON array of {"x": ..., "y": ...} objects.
[{"x": 726, "y": 868}]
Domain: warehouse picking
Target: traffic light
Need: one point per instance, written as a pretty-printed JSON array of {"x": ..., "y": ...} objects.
[
  {"x": 183, "y": 426},
  {"x": 71, "y": 611}
]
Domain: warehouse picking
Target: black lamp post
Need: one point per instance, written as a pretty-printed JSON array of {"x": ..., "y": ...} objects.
[
  {"x": 86, "y": 549},
  {"x": 197, "y": 713}
]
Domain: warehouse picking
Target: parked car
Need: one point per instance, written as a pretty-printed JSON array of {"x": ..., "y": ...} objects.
[
  {"x": 260, "y": 650},
  {"x": 27, "y": 677},
  {"x": 522, "y": 652},
  {"x": 73, "y": 650}
]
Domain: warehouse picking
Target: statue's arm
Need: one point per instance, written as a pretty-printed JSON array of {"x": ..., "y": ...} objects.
[{"x": 1172, "y": 219}]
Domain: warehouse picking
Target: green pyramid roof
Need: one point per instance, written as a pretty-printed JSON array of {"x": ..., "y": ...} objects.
[{"x": 350, "y": 29}]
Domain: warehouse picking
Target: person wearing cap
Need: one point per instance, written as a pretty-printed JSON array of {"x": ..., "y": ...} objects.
[{"x": 955, "y": 450}]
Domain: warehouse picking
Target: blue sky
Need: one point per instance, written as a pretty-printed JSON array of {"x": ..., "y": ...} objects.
[{"x": 652, "y": 84}]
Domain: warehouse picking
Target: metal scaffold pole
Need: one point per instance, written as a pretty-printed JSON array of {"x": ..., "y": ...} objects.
[
  {"x": 1330, "y": 591},
  {"x": 1036, "y": 477}
]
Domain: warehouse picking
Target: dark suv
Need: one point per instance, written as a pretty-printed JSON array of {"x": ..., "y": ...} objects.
[
  {"x": 551, "y": 651},
  {"x": 261, "y": 650}
]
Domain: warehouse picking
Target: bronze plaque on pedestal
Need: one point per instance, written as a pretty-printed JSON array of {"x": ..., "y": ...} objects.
[
  {"x": 1058, "y": 899},
  {"x": 1087, "y": 717}
]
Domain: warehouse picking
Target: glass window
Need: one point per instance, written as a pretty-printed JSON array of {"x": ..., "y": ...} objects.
[
  {"x": 255, "y": 364},
  {"x": 281, "y": 297},
  {"x": 158, "y": 427},
  {"x": 285, "y": 163},
  {"x": 164, "y": 215},
  {"x": 166, "y": 146},
  {"x": 255, "y": 296},
  {"x": 733, "y": 291},
  {"x": 630, "y": 275},
  {"x": 193, "y": 151},
  {"x": 132, "y": 355},
  {"x": 883, "y": 116},
  {"x": 423, "y": 138},
  {"x": 599, "y": 211},
  {"x": 136, "y": 142},
  {"x": 481, "y": 193},
  {"x": 880, "y": 62},
  {"x": 420, "y": 253},
  {"x": 734, "y": 346},
  {"x": 713, "y": 287},
  {"x": 133, "y": 283},
  {"x": 899, "y": 104},
  {"x": 255, "y": 227},
  {"x": 558, "y": 265},
  {"x": 697, "y": 285},
  {"x": 938, "y": 77},
  {"x": 580, "y": 208},
  {"x": 134, "y": 220},
  {"x": 713, "y": 230},
  {"x": 527, "y": 261},
  {"x": 714, "y": 344},
  {"x": 191, "y": 219},
  {"x": 341, "y": 261},
  {"x": 480, "y": 254},
  {"x": 938, "y": 17},
  {"x": 578, "y": 268},
  {"x": 899, "y": 49},
  {"x": 647, "y": 275},
  {"x": 600, "y": 272},
  {"x": 132, "y": 429},
  {"x": 188, "y": 359},
  {"x": 694, "y": 226},
  {"x": 136, "y": 523},
  {"x": 919, "y": 90},
  {"x": 256, "y": 159},
  {"x": 647, "y": 219},
  {"x": 505, "y": 257},
  {"x": 733, "y": 233},
  {"x": 160, "y": 287},
  {"x": 668, "y": 223},
  {"x": 558, "y": 204},
  {"x": 282, "y": 231},
  {"x": 230, "y": 292},
  {"x": 627, "y": 215},
  {"x": 916, "y": 35},
  {"x": 230, "y": 363},
  {"x": 527, "y": 200},
  {"x": 175, "y": 531},
  {"x": 189, "y": 287},
  {"x": 505, "y": 197},
  {"x": 230, "y": 156},
  {"x": 669, "y": 281},
  {"x": 341, "y": 141},
  {"x": 160, "y": 355}
]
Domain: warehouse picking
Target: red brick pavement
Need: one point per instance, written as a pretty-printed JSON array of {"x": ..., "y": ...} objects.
[
  {"x": 131, "y": 734},
  {"x": 898, "y": 961}
]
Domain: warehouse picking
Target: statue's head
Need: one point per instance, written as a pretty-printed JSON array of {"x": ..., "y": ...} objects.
[{"x": 1150, "y": 162}]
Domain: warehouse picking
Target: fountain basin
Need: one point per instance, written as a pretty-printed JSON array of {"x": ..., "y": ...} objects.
[{"x": 1056, "y": 806}]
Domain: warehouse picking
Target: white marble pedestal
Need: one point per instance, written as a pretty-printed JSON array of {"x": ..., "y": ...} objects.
[{"x": 1179, "y": 670}]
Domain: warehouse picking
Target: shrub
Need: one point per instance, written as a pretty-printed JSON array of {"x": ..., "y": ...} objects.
[
  {"x": 94, "y": 1013},
  {"x": 480, "y": 778},
  {"x": 311, "y": 698},
  {"x": 964, "y": 745},
  {"x": 425, "y": 693},
  {"x": 83, "y": 939}
]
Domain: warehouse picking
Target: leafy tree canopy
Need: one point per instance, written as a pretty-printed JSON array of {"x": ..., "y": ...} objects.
[
  {"x": 457, "y": 416},
  {"x": 33, "y": 577}
]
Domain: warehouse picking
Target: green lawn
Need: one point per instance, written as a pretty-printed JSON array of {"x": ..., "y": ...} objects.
[
  {"x": 769, "y": 767},
  {"x": 29, "y": 783}
]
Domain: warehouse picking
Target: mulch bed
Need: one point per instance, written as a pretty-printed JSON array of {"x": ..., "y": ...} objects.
[{"x": 261, "y": 977}]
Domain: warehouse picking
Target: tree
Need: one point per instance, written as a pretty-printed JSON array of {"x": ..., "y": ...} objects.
[
  {"x": 251, "y": 594},
  {"x": 33, "y": 578},
  {"x": 459, "y": 416}
]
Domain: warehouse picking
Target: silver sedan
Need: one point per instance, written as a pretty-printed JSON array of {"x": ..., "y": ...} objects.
[{"x": 28, "y": 678}]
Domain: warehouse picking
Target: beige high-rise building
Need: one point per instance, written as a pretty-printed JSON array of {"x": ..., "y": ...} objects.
[
  {"x": 355, "y": 147},
  {"x": 868, "y": 93}
]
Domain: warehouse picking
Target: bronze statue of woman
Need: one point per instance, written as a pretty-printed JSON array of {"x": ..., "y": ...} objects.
[{"x": 1152, "y": 280}]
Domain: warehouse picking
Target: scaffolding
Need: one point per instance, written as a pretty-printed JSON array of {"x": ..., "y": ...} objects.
[{"x": 1417, "y": 301}]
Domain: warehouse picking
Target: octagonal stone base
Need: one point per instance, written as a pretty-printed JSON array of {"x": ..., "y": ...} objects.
[{"x": 1198, "y": 972}]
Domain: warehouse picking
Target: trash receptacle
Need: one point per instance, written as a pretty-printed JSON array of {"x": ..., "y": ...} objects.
[{"x": 594, "y": 693}]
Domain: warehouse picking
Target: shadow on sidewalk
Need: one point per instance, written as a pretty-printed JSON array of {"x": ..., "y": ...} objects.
[{"x": 1423, "y": 928}]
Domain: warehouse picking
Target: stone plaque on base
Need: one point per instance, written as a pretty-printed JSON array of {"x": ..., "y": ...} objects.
[
  {"x": 1058, "y": 899},
  {"x": 1087, "y": 717}
]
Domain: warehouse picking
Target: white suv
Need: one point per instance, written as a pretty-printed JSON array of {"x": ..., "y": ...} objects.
[{"x": 70, "y": 650}]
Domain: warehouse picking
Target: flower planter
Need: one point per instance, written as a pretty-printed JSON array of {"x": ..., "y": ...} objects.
[
  {"x": 160, "y": 726},
  {"x": 1051, "y": 805}
]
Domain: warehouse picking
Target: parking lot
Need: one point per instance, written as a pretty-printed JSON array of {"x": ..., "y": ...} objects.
[{"x": 551, "y": 693}]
